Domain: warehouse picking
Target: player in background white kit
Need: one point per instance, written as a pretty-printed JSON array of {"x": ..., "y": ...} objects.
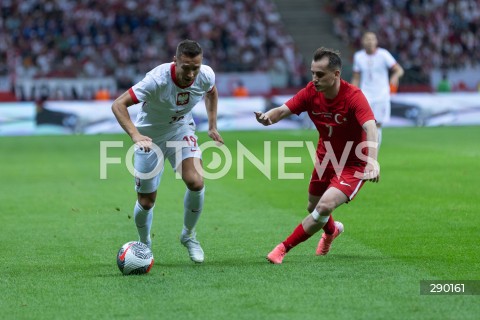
[
  {"x": 376, "y": 72},
  {"x": 168, "y": 93}
]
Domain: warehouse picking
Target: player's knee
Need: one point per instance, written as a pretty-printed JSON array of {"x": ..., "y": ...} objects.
[
  {"x": 195, "y": 185},
  {"x": 325, "y": 207},
  {"x": 146, "y": 202},
  {"x": 311, "y": 206}
]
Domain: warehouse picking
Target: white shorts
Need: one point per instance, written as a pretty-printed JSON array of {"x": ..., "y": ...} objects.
[
  {"x": 381, "y": 110},
  {"x": 175, "y": 146}
]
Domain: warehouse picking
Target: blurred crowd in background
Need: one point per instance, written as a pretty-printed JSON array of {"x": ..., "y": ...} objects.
[
  {"x": 422, "y": 34},
  {"x": 124, "y": 39}
]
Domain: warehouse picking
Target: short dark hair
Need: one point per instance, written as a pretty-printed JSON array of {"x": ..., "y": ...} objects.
[
  {"x": 188, "y": 48},
  {"x": 334, "y": 60}
]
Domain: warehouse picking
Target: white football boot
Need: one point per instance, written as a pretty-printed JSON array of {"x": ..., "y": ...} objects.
[{"x": 195, "y": 251}]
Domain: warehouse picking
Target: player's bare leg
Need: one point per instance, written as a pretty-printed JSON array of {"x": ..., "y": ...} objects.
[
  {"x": 312, "y": 223},
  {"x": 330, "y": 200},
  {"x": 143, "y": 215},
  {"x": 313, "y": 200},
  {"x": 192, "y": 175}
]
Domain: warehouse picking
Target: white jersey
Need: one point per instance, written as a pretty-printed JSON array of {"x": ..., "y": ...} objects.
[
  {"x": 373, "y": 69},
  {"x": 166, "y": 104}
]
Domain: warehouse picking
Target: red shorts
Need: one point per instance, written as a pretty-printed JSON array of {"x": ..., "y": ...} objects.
[{"x": 345, "y": 182}]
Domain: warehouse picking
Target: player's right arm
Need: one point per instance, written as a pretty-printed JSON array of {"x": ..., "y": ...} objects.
[
  {"x": 273, "y": 116},
  {"x": 119, "y": 109}
]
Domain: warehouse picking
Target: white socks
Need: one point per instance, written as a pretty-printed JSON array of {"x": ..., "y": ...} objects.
[
  {"x": 193, "y": 205},
  {"x": 143, "y": 221}
]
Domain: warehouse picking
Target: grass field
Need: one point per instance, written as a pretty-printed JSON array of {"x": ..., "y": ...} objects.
[{"x": 61, "y": 227}]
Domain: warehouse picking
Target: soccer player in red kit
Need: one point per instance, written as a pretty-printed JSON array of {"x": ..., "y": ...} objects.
[{"x": 346, "y": 151}]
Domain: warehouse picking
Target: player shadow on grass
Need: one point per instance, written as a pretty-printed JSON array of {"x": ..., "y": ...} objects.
[
  {"x": 294, "y": 260},
  {"x": 299, "y": 259},
  {"x": 214, "y": 263},
  {"x": 356, "y": 257}
]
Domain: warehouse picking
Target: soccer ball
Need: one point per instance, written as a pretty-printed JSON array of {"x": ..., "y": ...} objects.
[{"x": 134, "y": 258}]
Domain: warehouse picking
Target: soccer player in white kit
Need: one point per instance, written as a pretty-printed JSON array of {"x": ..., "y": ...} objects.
[
  {"x": 371, "y": 68},
  {"x": 165, "y": 129}
]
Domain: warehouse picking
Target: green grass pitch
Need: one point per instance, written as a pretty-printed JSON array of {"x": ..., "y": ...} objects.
[{"x": 61, "y": 227}]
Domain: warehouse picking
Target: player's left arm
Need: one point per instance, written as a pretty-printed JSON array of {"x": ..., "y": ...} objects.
[
  {"x": 356, "y": 71},
  {"x": 356, "y": 79},
  {"x": 372, "y": 170},
  {"x": 211, "y": 103},
  {"x": 396, "y": 73}
]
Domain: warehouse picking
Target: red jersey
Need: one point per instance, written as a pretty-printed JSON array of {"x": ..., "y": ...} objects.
[{"x": 338, "y": 120}]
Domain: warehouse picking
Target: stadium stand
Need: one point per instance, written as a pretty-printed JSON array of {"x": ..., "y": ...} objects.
[
  {"x": 422, "y": 34},
  {"x": 125, "y": 39},
  {"x": 311, "y": 26}
]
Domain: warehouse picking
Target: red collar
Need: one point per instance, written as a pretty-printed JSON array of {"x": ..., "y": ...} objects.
[{"x": 174, "y": 77}]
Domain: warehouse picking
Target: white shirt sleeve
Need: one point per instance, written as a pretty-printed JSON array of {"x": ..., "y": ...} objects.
[
  {"x": 145, "y": 88},
  {"x": 209, "y": 78},
  {"x": 389, "y": 59}
]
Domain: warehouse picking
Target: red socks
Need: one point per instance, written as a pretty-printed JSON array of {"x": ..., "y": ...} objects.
[
  {"x": 298, "y": 235},
  {"x": 329, "y": 227}
]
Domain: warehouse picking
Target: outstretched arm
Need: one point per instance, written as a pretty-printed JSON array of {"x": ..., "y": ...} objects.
[
  {"x": 119, "y": 109},
  {"x": 211, "y": 102},
  {"x": 273, "y": 116}
]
